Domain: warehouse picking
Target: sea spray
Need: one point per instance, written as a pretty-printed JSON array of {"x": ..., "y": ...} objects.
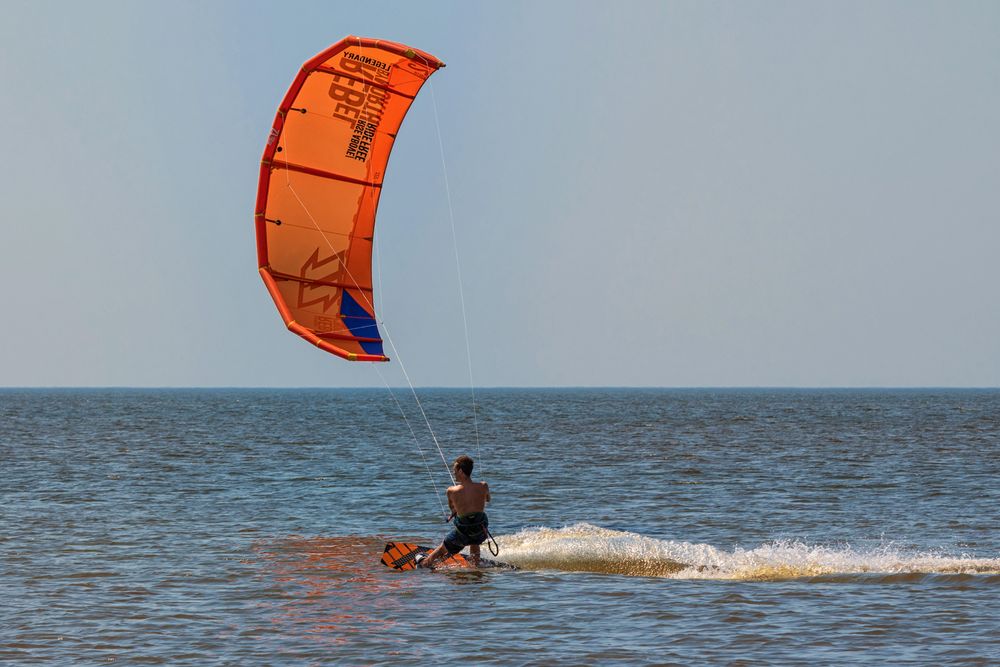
[{"x": 583, "y": 547}]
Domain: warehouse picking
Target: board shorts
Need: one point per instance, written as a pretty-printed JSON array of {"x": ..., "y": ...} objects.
[{"x": 468, "y": 529}]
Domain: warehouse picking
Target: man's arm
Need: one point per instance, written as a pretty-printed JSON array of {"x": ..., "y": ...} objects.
[{"x": 487, "y": 491}]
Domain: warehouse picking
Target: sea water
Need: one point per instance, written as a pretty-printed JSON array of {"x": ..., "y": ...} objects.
[{"x": 202, "y": 527}]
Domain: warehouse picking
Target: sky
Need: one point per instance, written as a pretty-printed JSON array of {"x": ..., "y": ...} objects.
[{"x": 678, "y": 194}]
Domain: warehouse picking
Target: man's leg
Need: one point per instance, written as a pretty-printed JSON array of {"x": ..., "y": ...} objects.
[{"x": 474, "y": 553}]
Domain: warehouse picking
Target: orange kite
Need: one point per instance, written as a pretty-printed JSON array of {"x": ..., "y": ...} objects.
[{"x": 320, "y": 181}]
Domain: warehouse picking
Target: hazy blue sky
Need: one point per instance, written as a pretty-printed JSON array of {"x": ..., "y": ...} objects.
[{"x": 675, "y": 194}]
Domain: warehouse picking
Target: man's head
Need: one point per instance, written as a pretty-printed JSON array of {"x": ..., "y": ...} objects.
[{"x": 463, "y": 463}]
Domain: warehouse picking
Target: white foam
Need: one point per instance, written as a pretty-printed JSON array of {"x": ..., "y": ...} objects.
[{"x": 587, "y": 548}]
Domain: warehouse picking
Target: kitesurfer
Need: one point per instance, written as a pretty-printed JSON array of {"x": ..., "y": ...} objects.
[{"x": 467, "y": 500}]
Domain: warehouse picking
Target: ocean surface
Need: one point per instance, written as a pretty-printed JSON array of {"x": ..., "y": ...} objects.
[{"x": 741, "y": 527}]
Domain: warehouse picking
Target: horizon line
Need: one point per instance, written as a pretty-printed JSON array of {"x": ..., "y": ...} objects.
[{"x": 481, "y": 387}]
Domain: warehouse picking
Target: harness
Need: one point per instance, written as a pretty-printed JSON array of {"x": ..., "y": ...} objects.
[{"x": 471, "y": 525}]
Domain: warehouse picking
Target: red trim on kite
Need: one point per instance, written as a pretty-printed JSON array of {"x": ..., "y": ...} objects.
[{"x": 281, "y": 164}]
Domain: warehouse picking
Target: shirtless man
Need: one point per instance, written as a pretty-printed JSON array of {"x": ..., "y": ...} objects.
[{"x": 467, "y": 500}]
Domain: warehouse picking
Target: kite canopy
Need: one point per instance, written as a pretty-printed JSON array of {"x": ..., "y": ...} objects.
[{"x": 320, "y": 181}]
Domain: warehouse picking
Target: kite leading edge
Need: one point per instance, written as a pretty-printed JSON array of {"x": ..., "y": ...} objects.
[{"x": 320, "y": 180}]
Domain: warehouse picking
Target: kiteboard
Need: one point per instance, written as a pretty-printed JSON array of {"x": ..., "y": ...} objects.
[{"x": 402, "y": 556}]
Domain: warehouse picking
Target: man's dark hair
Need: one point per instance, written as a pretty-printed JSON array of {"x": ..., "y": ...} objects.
[{"x": 464, "y": 463}]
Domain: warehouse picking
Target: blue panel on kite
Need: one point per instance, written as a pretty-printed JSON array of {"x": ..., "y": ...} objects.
[{"x": 360, "y": 323}]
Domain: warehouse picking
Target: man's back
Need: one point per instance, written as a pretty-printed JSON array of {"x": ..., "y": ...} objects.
[{"x": 468, "y": 497}]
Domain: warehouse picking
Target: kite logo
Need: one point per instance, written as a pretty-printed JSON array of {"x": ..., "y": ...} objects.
[
  {"x": 415, "y": 68},
  {"x": 365, "y": 60},
  {"x": 324, "y": 324},
  {"x": 359, "y": 102},
  {"x": 361, "y": 140},
  {"x": 311, "y": 294},
  {"x": 273, "y": 137}
]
